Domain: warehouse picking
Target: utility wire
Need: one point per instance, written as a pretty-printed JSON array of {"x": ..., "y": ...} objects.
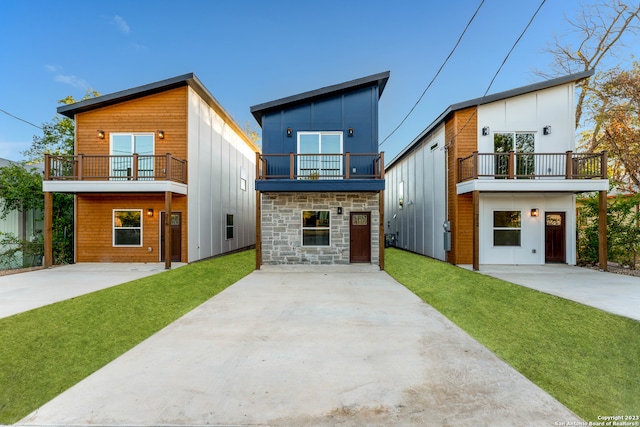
[
  {"x": 499, "y": 69},
  {"x": 18, "y": 118},
  {"x": 436, "y": 75}
]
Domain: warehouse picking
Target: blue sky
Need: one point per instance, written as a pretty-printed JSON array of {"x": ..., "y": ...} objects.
[{"x": 250, "y": 52}]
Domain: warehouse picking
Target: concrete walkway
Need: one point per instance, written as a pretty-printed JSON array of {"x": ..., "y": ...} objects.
[
  {"x": 33, "y": 289},
  {"x": 302, "y": 347},
  {"x": 615, "y": 293}
]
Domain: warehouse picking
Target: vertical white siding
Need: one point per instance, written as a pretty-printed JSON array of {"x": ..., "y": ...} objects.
[{"x": 216, "y": 157}]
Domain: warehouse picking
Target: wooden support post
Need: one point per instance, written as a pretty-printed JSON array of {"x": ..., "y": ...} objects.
[
  {"x": 290, "y": 165},
  {"x": 382, "y": 239},
  {"x": 568, "y": 174},
  {"x": 48, "y": 230},
  {"x": 167, "y": 230},
  {"x": 602, "y": 231},
  {"x": 474, "y": 165},
  {"x": 511, "y": 164},
  {"x": 258, "y": 231},
  {"x": 347, "y": 165},
  {"x": 476, "y": 230}
]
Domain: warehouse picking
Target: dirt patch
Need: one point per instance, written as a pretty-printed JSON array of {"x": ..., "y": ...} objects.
[{"x": 616, "y": 268}]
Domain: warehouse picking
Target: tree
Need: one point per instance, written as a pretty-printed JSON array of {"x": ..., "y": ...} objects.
[
  {"x": 20, "y": 188},
  {"x": 602, "y": 30},
  {"x": 614, "y": 104},
  {"x": 57, "y": 135}
]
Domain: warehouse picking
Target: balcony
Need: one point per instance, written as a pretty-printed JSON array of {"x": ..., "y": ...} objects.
[
  {"x": 512, "y": 171},
  {"x": 320, "y": 172},
  {"x": 104, "y": 173}
]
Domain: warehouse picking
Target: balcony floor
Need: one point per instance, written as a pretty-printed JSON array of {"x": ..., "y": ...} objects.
[
  {"x": 309, "y": 185},
  {"x": 533, "y": 185}
]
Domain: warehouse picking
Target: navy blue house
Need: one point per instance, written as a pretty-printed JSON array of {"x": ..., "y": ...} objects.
[{"x": 320, "y": 177}]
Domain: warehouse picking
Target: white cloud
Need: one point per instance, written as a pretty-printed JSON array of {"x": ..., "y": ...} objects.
[
  {"x": 52, "y": 68},
  {"x": 71, "y": 81},
  {"x": 122, "y": 24}
]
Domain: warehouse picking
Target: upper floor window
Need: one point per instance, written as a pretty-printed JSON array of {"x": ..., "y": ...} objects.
[
  {"x": 319, "y": 155},
  {"x": 523, "y": 144},
  {"x": 123, "y": 145}
]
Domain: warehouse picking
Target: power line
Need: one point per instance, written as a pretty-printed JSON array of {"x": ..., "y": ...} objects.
[
  {"x": 436, "y": 75},
  {"x": 500, "y": 68},
  {"x": 18, "y": 118}
]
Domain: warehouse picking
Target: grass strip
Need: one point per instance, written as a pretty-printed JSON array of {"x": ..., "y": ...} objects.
[
  {"x": 586, "y": 358},
  {"x": 47, "y": 350}
]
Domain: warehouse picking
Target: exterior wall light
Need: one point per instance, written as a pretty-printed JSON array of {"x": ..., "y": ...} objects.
[
  {"x": 100, "y": 134},
  {"x": 350, "y": 132},
  {"x": 161, "y": 134},
  {"x": 150, "y": 213},
  {"x": 289, "y": 132},
  {"x": 535, "y": 212},
  {"x": 546, "y": 130},
  {"x": 485, "y": 131}
]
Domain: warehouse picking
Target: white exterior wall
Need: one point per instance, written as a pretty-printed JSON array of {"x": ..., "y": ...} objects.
[
  {"x": 418, "y": 225},
  {"x": 217, "y": 157},
  {"x": 532, "y": 236},
  {"x": 530, "y": 113}
]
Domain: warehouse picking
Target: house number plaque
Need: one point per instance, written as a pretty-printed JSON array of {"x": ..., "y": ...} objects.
[{"x": 359, "y": 220}]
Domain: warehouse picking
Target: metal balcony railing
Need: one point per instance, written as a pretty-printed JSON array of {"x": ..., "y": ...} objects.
[
  {"x": 115, "y": 168},
  {"x": 514, "y": 165},
  {"x": 320, "y": 166}
]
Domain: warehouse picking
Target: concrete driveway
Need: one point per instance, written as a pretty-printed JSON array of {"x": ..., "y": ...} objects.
[
  {"x": 615, "y": 293},
  {"x": 299, "y": 347},
  {"x": 33, "y": 289}
]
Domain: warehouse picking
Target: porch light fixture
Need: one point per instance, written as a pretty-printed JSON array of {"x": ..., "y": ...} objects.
[
  {"x": 350, "y": 132},
  {"x": 485, "y": 131},
  {"x": 161, "y": 134},
  {"x": 546, "y": 130},
  {"x": 535, "y": 212},
  {"x": 100, "y": 134},
  {"x": 289, "y": 132},
  {"x": 150, "y": 213}
]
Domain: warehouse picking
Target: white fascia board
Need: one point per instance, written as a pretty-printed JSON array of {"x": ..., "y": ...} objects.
[
  {"x": 113, "y": 187},
  {"x": 533, "y": 185}
]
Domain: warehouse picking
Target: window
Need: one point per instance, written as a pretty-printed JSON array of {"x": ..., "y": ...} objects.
[
  {"x": 401, "y": 195},
  {"x": 243, "y": 179},
  {"x": 506, "y": 228},
  {"x": 229, "y": 226},
  {"x": 126, "y": 144},
  {"x": 315, "y": 228},
  {"x": 127, "y": 227},
  {"x": 319, "y": 155},
  {"x": 524, "y": 147}
]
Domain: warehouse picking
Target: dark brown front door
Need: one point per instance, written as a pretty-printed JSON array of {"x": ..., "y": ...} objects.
[
  {"x": 360, "y": 237},
  {"x": 554, "y": 237},
  {"x": 176, "y": 236}
]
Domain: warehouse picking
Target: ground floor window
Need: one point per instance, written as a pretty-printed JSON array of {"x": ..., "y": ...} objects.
[
  {"x": 127, "y": 227},
  {"x": 316, "y": 228},
  {"x": 229, "y": 226},
  {"x": 506, "y": 228}
]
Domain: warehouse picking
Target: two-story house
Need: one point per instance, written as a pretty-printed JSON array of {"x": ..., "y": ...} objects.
[
  {"x": 493, "y": 180},
  {"x": 320, "y": 177},
  {"x": 161, "y": 172}
]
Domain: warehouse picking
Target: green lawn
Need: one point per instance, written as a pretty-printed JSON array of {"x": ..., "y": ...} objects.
[
  {"x": 586, "y": 358},
  {"x": 45, "y": 351}
]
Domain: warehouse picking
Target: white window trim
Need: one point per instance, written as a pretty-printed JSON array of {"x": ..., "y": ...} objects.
[
  {"x": 494, "y": 228},
  {"x": 113, "y": 228},
  {"x": 320, "y": 133},
  {"x": 132, "y": 134},
  {"x": 302, "y": 228}
]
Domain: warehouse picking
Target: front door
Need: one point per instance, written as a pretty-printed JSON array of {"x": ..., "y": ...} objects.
[
  {"x": 360, "y": 237},
  {"x": 554, "y": 237},
  {"x": 176, "y": 236}
]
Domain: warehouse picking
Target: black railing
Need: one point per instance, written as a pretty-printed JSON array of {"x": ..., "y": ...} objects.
[{"x": 320, "y": 166}]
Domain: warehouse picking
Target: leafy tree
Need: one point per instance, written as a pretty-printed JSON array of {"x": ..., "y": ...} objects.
[
  {"x": 20, "y": 188},
  {"x": 623, "y": 231},
  {"x": 614, "y": 104},
  {"x": 602, "y": 30}
]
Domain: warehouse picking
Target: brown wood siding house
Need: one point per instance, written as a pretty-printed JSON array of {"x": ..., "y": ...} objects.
[{"x": 143, "y": 159}]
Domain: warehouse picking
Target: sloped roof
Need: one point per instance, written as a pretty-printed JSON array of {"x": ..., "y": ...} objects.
[
  {"x": 379, "y": 79},
  {"x": 189, "y": 79},
  {"x": 476, "y": 102}
]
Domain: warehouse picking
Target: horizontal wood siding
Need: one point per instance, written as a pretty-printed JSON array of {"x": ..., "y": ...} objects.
[
  {"x": 165, "y": 111},
  {"x": 462, "y": 135},
  {"x": 94, "y": 235}
]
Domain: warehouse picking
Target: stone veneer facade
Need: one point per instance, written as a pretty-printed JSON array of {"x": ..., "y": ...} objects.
[{"x": 281, "y": 226}]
